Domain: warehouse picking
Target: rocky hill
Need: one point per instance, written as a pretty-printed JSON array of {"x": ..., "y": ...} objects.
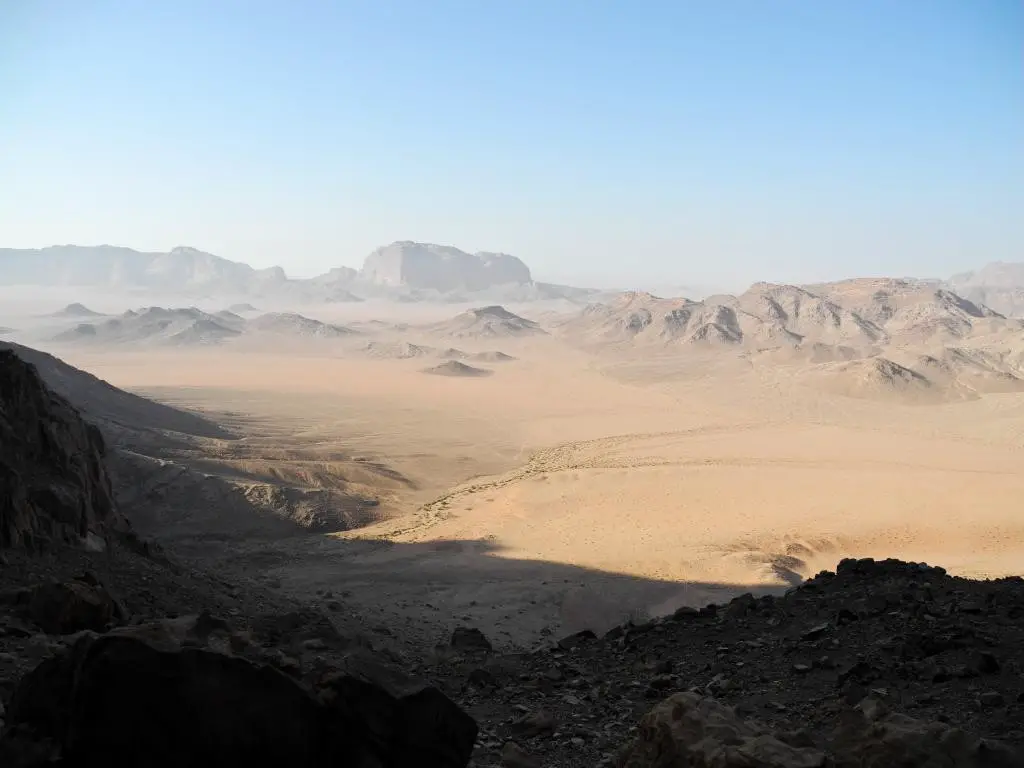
[
  {"x": 154, "y": 326},
  {"x": 299, "y": 326},
  {"x": 486, "y": 323},
  {"x": 77, "y": 311},
  {"x": 53, "y": 482}
]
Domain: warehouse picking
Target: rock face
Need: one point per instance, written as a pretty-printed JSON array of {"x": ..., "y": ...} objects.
[
  {"x": 141, "y": 696},
  {"x": 441, "y": 268},
  {"x": 53, "y": 484}
]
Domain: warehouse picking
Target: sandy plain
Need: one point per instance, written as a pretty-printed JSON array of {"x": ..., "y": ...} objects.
[{"x": 572, "y": 489}]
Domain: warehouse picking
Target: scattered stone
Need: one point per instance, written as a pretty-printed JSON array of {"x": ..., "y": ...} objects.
[
  {"x": 470, "y": 639},
  {"x": 698, "y": 732},
  {"x": 540, "y": 723},
  {"x": 577, "y": 639},
  {"x": 514, "y": 756}
]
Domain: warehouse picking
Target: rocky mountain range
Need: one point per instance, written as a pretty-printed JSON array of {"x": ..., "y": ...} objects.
[
  {"x": 190, "y": 326},
  {"x": 403, "y": 270}
]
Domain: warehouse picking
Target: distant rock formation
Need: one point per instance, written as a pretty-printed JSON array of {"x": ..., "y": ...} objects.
[
  {"x": 441, "y": 268},
  {"x": 76, "y": 310},
  {"x": 487, "y": 322},
  {"x": 53, "y": 483},
  {"x": 999, "y": 285},
  {"x": 181, "y": 269},
  {"x": 292, "y": 324},
  {"x": 156, "y": 325},
  {"x": 456, "y": 369}
]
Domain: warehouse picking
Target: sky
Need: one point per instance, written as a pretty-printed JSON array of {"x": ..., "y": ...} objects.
[{"x": 605, "y": 143}]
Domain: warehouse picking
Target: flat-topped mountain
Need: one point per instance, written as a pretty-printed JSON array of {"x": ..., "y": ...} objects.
[{"x": 441, "y": 267}]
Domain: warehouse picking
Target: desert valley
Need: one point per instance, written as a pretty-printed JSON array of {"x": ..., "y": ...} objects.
[
  {"x": 536, "y": 467},
  {"x": 560, "y": 464}
]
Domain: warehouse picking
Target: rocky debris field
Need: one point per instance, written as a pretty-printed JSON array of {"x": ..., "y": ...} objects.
[
  {"x": 824, "y": 668},
  {"x": 879, "y": 664}
]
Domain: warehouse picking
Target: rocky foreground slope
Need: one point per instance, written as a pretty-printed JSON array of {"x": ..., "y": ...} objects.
[{"x": 114, "y": 653}]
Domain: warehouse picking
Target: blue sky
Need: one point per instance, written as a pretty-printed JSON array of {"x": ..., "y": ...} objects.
[{"x": 622, "y": 143}]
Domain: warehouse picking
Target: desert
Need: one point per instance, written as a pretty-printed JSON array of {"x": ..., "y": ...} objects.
[
  {"x": 440, "y": 479},
  {"x": 665, "y": 451}
]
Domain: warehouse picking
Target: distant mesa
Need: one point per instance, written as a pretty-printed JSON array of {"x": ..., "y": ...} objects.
[
  {"x": 242, "y": 309},
  {"x": 457, "y": 369},
  {"x": 5, "y": 330},
  {"x": 487, "y": 322},
  {"x": 76, "y": 310},
  {"x": 293, "y": 324},
  {"x": 441, "y": 268}
]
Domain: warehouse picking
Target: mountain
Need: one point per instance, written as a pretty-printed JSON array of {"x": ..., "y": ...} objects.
[
  {"x": 441, "y": 267},
  {"x": 487, "y": 322},
  {"x": 181, "y": 269},
  {"x": 999, "y": 285},
  {"x": 858, "y": 314},
  {"x": 455, "y": 369},
  {"x": 292, "y": 324},
  {"x": 154, "y": 325},
  {"x": 75, "y": 310}
]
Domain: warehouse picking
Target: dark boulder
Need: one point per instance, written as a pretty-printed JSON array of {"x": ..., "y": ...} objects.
[
  {"x": 133, "y": 697},
  {"x": 470, "y": 639}
]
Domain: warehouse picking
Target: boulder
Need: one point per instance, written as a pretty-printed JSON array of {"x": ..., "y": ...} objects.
[
  {"x": 699, "y": 732},
  {"x": 66, "y": 607},
  {"x": 872, "y": 737},
  {"x": 470, "y": 639},
  {"x": 136, "y": 697}
]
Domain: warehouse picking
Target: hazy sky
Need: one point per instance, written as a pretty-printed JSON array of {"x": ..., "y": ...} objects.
[{"x": 603, "y": 142}]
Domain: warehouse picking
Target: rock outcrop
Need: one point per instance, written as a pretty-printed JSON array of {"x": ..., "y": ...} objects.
[
  {"x": 53, "y": 483},
  {"x": 441, "y": 268}
]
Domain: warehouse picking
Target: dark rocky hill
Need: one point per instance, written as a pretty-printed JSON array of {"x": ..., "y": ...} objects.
[{"x": 53, "y": 483}]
